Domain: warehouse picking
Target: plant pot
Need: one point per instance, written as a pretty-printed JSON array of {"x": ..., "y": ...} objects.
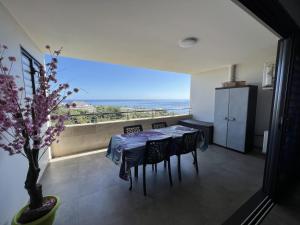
[{"x": 47, "y": 219}]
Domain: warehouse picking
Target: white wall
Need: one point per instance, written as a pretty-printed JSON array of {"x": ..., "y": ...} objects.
[
  {"x": 252, "y": 73},
  {"x": 203, "y": 92},
  {"x": 13, "y": 168}
]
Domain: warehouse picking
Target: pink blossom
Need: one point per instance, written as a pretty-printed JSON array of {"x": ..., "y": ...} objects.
[
  {"x": 26, "y": 122},
  {"x": 57, "y": 52},
  {"x": 66, "y": 86},
  {"x": 12, "y": 58},
  {"x": 53, "y": 65},
  {"x": 54, "y": 117}
]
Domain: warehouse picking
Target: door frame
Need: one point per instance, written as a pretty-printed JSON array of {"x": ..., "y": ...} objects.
[
  {"x": 277, "y": 122},
  {"x": 271, "y": 14}
]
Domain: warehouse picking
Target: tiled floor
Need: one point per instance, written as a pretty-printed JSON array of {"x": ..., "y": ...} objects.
[{"x": 92, "y": 193}]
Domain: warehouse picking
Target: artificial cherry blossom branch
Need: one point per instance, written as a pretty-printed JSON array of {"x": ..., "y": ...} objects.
[{"x": 28, "y": 119}]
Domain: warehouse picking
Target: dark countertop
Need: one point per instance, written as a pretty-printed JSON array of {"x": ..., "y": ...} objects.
[{"x": 197, "y": 122}]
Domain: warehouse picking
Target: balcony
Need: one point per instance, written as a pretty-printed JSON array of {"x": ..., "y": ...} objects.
[
  {"x": 226, "y": 180},
  {"x": 144, "y": 34}
]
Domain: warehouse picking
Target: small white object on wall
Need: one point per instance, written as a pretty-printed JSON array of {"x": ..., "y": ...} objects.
[
  {"x": 231, "y": 73},
  {"x": 265, "y": 142},
  {"x": 268, "y": 75}
]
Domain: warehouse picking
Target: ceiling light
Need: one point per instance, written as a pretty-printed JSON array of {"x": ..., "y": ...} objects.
[{"x": 188, "y": 42}]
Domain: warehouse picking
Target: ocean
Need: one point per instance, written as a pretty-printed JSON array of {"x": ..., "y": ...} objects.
[{"x": 177, "y": 105}]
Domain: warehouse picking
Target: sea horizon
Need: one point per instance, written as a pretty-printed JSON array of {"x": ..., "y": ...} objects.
[{"x": 138, "y": 103}]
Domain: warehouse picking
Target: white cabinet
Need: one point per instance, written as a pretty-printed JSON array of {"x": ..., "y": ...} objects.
[{"x": 234, "y": 117}]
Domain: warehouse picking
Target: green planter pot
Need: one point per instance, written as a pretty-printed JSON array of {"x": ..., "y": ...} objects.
[{"x": 47, "y": 219}]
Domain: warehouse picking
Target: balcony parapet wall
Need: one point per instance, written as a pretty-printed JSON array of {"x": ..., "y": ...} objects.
[{"x": 82, "y": 138}]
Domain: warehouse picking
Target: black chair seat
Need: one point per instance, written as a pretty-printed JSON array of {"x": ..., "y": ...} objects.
[
  {"x": 159, "y": 125},
  {"x": 133, "y": 129}
]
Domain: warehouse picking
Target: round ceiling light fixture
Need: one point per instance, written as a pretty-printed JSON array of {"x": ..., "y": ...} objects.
[{"x": 188, "y": 42}]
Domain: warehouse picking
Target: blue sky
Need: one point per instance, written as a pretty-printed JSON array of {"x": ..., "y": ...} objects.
[{"x": 98, "y": 80}]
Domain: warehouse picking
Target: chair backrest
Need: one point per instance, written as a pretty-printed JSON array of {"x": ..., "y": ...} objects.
[
  {"x": 133, "y": 129},
  {"x": 159, "y": 125},
  {"x": 189, "y": 142},
  {"x": 157, "y": 150}
]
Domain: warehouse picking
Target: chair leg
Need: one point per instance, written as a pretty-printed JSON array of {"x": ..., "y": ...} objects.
[
  {"x": 136, "y": 172},
  {"x": 144, "y": 179},
  {"x": 130, "y": 177},
  {"x": 152, "y": 167},
  {"x": 196, "y": 161},
  {"x": 179, "y": 167},
  {"x": 155, "y": 167},
  {"x": 165, "y": 164},
  {"x": 170, "y": 174}
]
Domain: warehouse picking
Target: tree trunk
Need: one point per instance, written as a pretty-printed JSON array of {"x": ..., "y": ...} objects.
[{"x": 33, "y": 188}]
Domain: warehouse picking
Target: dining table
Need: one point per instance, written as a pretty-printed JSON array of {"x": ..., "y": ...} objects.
[{"x": 127, "y": 150}]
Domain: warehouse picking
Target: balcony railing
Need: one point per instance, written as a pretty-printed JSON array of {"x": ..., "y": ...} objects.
[{"x": 125, "y": 115}]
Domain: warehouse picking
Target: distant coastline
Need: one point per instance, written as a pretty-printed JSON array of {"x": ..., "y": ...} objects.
[
  {"x": 93, "y": 110},
  {"x": 137, "y": 103}
]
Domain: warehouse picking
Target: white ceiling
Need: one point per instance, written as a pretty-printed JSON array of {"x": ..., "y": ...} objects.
[{"x": 145, "y": 33}]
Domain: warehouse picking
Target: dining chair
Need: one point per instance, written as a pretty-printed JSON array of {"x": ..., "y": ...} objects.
[
  {"x": 188, "y": 144},
  {"x": 159, "y": 125},
  {"x": 133, "y": 129},
  {"x": 156, "y": 152}
]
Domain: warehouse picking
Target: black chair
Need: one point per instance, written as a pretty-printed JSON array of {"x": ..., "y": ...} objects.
[
  {"x": 188, "y": 144},
  {"x": 133, "y": 129},
  {"x": 156, "y": 152},
  {"x": 159, "y": 125}
]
